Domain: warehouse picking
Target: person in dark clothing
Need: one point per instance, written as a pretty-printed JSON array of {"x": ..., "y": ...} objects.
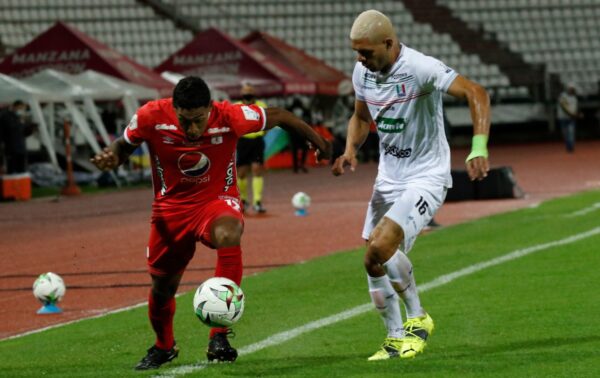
[
  {"x": 109, "y": 116},
  {"x": 13, "y": 131},
  {"x": 297, "y": 143}
]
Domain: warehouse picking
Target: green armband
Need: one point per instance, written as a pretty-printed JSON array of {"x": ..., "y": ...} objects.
[{"x": 479, "y": 147}]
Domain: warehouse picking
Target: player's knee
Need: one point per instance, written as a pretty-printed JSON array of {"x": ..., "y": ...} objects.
[
  {"x": 162, "y": 292},
  {"x": 369, "y": 262},
  {"x": 257, "y": 170},
  {"x": 228, "y": 234},
  {"x": 372, "y": 266},
  {"x": 378, "y": 251}
]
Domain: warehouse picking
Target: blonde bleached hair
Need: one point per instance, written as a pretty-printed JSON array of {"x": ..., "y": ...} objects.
[{"x": 372, "y": 25}]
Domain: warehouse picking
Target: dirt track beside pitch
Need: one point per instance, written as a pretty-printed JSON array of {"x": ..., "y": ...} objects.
[{"x": 97, "y": 242}]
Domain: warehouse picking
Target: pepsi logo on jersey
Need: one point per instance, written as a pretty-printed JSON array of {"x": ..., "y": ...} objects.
[{"x": 193, "y": 164}]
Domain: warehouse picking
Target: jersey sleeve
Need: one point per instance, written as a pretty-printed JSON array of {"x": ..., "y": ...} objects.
[
  {"x": 358, "y": 82},
  {"x": 245, "y": 119},
  {"x": 434, "y": 74},
  {"x": 135, "y": 132}
]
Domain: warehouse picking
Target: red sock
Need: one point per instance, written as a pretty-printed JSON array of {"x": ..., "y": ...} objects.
[
  {"x": 161, "y": 317},
  {"x": 229, "y": 265},
  {"x": 214, "y": 331}
]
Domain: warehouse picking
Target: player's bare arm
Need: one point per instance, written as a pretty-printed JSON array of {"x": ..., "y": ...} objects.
[
  {"x": 288, "y": 121},
  {"x": 114, "y": 155},
  {"x": 479, "y": 104},
  {"x": 358, "y": 130}
]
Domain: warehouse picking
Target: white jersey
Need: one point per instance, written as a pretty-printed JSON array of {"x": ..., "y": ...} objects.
[
  {"x": 570, "y": 102},
  {"x": 406, "y": 105}
]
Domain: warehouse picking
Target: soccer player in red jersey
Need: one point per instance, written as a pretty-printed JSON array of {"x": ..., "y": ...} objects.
[{"x": 192, "y": 142}]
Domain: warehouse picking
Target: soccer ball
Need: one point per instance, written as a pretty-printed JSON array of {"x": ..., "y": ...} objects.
[
  {"x": 301, "y": 201},
  {"x": 49, "y": 288},
  {"x": 219, "y": 302}
]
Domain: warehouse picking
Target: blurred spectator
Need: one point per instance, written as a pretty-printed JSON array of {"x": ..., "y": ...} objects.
[
  {"x": 342, "y": 111},
  {"x": 109, "y": 117},
  {"x": 297, "y": 142},
  {"x": 568, "y": 113},
  {"x": 250, "y": 157},
  {"x": 14, "y": 128},
  {"x": 370, "y": 149}
]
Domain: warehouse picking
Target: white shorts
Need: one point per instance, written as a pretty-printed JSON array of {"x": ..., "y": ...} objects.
[{"x": 411, "y": 207}]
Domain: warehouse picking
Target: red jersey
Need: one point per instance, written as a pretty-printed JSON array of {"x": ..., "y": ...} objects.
[{"x": 188, "y": 172}]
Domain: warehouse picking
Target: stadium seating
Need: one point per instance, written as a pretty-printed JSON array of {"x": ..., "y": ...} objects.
[
  {"x": 562, "y": 34},
  {"x": 527, "y": 28},
  {"x": 322, "y": 28},
  {"x": 126, "y": 25}
]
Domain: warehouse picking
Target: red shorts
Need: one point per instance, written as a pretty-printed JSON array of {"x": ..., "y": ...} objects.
[{"x": 173, "y": 237}]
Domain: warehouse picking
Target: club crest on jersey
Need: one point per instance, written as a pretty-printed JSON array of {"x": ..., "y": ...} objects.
[
  {"x": 193, "y": 164},
  {"x": 400, "y": 90}
]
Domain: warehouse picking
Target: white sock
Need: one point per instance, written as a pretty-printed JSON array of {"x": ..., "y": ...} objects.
[
  {"x": 399, "y": 270},
  {"x": 385, "y": 299}
]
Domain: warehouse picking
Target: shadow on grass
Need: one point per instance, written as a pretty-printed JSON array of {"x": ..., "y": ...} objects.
[
  {"x": 521, "y": 346},
  {"x": 460, "y": 361},
  {"x": 280, "y": 367}
]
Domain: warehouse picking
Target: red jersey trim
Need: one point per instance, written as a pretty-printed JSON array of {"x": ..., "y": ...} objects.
[{"x": 127, "y": 138}]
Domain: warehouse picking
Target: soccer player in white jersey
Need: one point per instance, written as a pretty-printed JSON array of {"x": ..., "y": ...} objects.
[{"x": 400, "y": 89}]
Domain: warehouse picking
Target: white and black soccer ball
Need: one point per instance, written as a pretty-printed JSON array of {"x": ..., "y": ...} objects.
[
  {"x": 49, "y": 288},
  {"x": 219, "y": 302},
  {"x": 301, "y": 201}
]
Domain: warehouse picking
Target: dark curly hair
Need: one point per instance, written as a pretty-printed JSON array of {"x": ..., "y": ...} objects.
[{"x": 190, "y": 93}]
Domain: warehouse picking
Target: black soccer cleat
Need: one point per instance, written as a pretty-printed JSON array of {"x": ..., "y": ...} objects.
[
  {"x": 156, "y": 357},
  {"x": 219, "y": 349}
]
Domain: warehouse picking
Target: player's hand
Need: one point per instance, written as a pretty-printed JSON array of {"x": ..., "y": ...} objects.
[
  {"x": 326, "y": 152},
  {"x": 478, "y": 168},
  {"x": 105, "y": 160},
  {"x": 342, "y": 162}
]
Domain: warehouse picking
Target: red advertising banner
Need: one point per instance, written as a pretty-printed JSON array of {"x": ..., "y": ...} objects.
[
  {"x": 225, "y": 63},
  {"x": 329, "y": 80},
  {"x": 65, "y": 48}
]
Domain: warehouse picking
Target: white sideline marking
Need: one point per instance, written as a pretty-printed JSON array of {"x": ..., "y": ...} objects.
[
  {"x": 74, "y": 321},
  {"x": 78, "y": 320},
  {"x": 585, "y": 211},
  {"x": 282, "y": 337}
]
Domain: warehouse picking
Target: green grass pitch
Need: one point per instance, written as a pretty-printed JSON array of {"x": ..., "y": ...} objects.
[{"x": 534, "y": 316}]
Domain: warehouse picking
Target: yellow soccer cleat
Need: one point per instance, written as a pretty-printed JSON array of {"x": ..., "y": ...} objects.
[
  {"x": 417, "y": 331},
  {"x": 390, "y": 348}
]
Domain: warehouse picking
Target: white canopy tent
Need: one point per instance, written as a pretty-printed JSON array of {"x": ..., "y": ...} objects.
[
  {"x": 130, "y": 94},
  {"x": 174, "y": 78},
  {"x": 59, "y": 82},
  {"x": 12, "y": 89},
  {"x": 52, "y": 87},
  {"x": 90, "y": 86}
]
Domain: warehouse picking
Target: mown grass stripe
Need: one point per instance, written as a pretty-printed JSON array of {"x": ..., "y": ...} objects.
[{"x": 282, "y": 337}]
